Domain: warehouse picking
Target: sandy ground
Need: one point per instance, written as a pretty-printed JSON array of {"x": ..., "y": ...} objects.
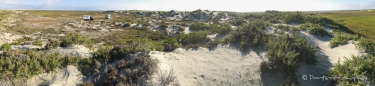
[
  {"x": 8, "y": 38},
  {"x": 223, "y": 66},
  {"x": 69, "y": 76},
  {"x": 327, "y": 58},
  {"x": 75, "y": 50}
]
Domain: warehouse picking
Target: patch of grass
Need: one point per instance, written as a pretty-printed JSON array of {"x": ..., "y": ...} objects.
[
  {"x": 360, "y": 67},
  {"x": 51, "y": 44},
  {"x": 38, "y": 43},
  {"x": 5, "y": 46},
  {"x": 360, "y": 22},
  {"x": 16, "y": 43}
]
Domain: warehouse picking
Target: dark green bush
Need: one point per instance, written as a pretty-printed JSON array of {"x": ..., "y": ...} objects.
[
  {"x": 314, "y": 29},
  {"x": 170, "y": 44}
]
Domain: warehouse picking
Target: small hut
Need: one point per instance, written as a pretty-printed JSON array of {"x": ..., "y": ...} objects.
[{"x": 107, "y": 16}]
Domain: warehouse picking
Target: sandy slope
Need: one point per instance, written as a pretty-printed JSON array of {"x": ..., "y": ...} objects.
[
  {"x": 327, "y": 58},
  {"x": 69, "y": 76},
  {"x": 222, "y": 66}
]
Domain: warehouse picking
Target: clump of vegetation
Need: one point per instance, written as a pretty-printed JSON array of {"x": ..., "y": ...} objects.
[
  {"x": 282, "y": 27},
  {"x": 74, "y": 38},
  {"x": 5, "y": 46},
  {"x": 199, "y": 26},
  {"x": 362, "y": 68},
  {"x": 38, "y": 43},
  {"x": 368, "y": 45},
  {"x": 170, "y": 44},
  {"x": 237, "y": 22},
  {"x": 21, "y": 65},
  {"x": 221, "y": 29},
  {"x": 341, "y": 38},
  {"x": 16, "y": 43},
  {"x": 51, "y": 44},
  {"x": 285, "y": 52},
  {"x": 194, "y": 38},
  {"x": 163, "y": 26},
  {"x": 249, "y": 34},
  {"x": 314, "y": 29}
]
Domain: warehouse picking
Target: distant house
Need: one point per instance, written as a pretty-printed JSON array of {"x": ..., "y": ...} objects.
[
  {"x": 87, "y": 17},
  {"x": 107, "y": 16}
]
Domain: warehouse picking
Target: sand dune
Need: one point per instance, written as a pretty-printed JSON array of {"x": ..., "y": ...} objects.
[{"x": 222, "y": 66}]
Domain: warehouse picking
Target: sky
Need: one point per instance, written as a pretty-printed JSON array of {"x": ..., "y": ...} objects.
[{"x": 189, "y": 5}]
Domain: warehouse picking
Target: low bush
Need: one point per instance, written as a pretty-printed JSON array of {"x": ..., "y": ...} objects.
[
  {"x": 221, "y": 29},
  {"x": 194, "y": 37},
  {"x": 366, "y": 44},
  {"x": 51, "y": 44},
  {"x": 341, "y": 38},
  {"x": 5, "y": 46},
  {"x": 16, "y": 43},
  {"x": 74, "y": 38},
  {"x": 237, "y": 22},
  {"x": 170, "y": 44},
  {"x": 199, "y": 26},
  {"x": 38, "y": 43},
  {"x": 362, "y": 68},
  {"x": 314, "y": 29},
  {"x": 23, "y": 64},
  {"x": 249, "y": 34},
  {"x": 282, "y": 27}
]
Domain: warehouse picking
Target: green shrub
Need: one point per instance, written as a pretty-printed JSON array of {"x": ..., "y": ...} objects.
[
  {"x": 367, "y": 44},
  {"x": 249, "y": 34},
  {"x": 199, "y": 26},
  {"x": 163, "y": 26},
  {"x": 341, "y": 38},
  {"x": 170, "y": 44},
  {"x": 237, "y": 22},
  {"x": 314, "y": 29},
  {"x": 38, "y": 43},
  {"x": 358, "y": 67},
  {"x": 102, "y": 53},
  {"x": 5, "y": 46},
  {"x": 52, "y": 44},
  {"x": 221, "y": 29},
  {"x": 24, "y": 64},
  {"x": 194, "y": 37},
  {"x": 73, "y": 38}
]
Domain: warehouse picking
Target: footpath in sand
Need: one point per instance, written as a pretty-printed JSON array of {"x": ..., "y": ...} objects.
[
  {"x": 224, "y": 66},
  {"x": 327, "y": 58}
]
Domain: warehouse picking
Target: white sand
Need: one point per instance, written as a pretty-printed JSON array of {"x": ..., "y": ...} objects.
[
  {"x": 327, "y": 58},
  {"x": 69, "y": 76},
  {"x": 75, "y": 50},
  {"x": 222, "y": 66},
  {"x": 8, "y": 38}
]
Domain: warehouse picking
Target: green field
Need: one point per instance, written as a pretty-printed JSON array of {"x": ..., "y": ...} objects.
[{"x": 361, "y": 22}]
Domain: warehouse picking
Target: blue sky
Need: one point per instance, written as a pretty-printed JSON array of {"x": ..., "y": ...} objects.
[{"x": 189, "y": 5}]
